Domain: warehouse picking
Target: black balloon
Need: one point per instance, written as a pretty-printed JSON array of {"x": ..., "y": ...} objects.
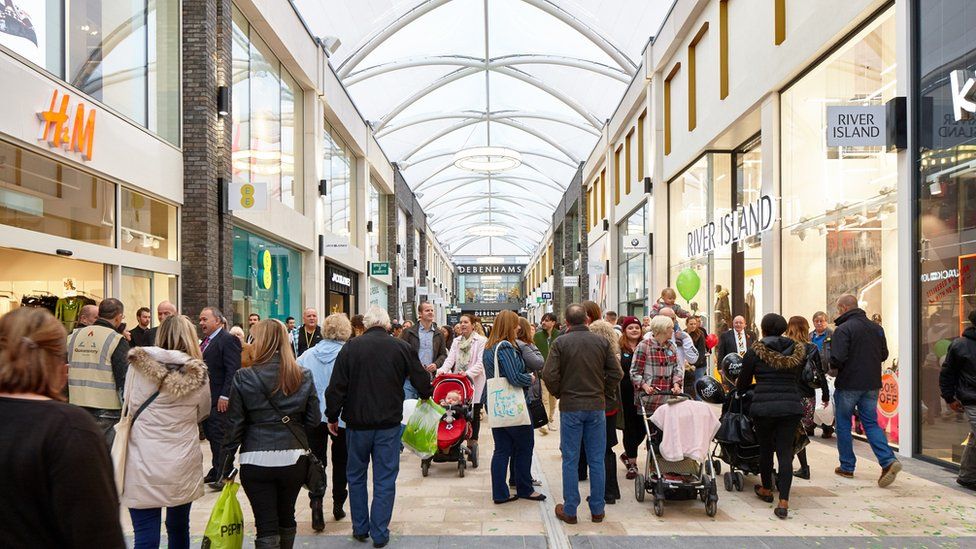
[
  {"x": 710, "y": 390},
  {"x": 731, "y": 366}
]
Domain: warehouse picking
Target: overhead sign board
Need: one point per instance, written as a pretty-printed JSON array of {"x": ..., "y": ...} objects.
[
  {"x": 59, "y": 130},
  {"x": 571, "y": 281},
  {"x": 856, "y": 126},
  {"x": 247, "y": 197},
  {"x": 547, "y": 295},
  {"x": 380, "y": 268},
  {"x": 635, "y": 244},
  {"x": 749, "y": 220},
  {"x": 489, "y": 269}
]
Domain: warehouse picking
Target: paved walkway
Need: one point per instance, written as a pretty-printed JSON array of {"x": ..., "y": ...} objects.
[{"x": 923, "y": 508}]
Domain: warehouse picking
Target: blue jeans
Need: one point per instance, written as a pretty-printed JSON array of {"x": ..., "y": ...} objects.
[
  {"x": 865, "y": 403},
  {"x": 146, "y": 524},
  {"x": 589, "y": 430},
  {"x": 409, "y": 391},
  {"x": 513, "y": 444},
  {"x": 382, "y": 446}
]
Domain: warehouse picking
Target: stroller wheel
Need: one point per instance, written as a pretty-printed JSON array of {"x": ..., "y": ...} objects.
[
  {"x": 716, "y": 467},
  {"x": 639, "y": 488},
  {"x": 711, "y": 507},
  {"x": 658, "y": 507},
  {"x": 424, "y": 467},
  {"x": 729, "y": 484},
  {"x": 737, "y": 481}
]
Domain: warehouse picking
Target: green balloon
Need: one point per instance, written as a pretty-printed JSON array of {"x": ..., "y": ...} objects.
[
  {"x": 941, "y": 347},
  {"x": 688, "y": 284}
]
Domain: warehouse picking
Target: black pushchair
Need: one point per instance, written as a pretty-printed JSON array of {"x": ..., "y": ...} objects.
[{"x": 735, "y": 442}]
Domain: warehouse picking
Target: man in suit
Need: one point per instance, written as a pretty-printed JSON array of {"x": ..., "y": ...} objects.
[
  {"x": 222, "y": 353},
  {"x": 737, "y": 340},
  {"x": 427, "y": 341}
]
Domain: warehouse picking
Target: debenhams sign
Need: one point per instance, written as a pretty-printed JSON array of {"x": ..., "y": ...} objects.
[
  {"x": 489, "y": 269},
  {"x": 749, "y": 220}
]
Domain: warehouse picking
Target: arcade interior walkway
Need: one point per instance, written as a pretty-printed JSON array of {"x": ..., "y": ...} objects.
[{"x": 924, "y": 508}]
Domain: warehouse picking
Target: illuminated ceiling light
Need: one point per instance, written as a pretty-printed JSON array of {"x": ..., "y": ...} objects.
[
  {"x": 489, "y": 230},
  {"x": 487, "y": 159}
]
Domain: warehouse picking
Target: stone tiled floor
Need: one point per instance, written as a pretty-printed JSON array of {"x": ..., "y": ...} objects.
[{"x": 442, "y": 506}]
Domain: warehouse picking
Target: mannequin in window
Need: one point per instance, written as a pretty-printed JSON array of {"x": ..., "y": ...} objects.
[
  {"x": 751, "y": 306},
  {"x": 723, "y": 309}
]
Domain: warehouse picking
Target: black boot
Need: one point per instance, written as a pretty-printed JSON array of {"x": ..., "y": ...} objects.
[
  {"x": 827, "y": 431},
  {"x": 337, "y": 512},
  {"x": 267, "y": 542},
  {"x": 802, "y": 472},
  {"x": 287, "y": 537},
  {"x": 318, "y": 519}
]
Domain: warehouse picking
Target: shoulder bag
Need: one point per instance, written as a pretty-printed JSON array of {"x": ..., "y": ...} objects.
[
  {"x": 507, "y": 406},
  {"x": 315, "y": 480},
  {"x": 120, "y": 444}
]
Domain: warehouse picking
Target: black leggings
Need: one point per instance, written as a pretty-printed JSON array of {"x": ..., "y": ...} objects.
[
  {"x": 272, "y": 492},
  {"x": 610, "y": 459},
  {"x": 634, "y": 430},
  {"x": 476, "y": 422},
  {"x": 776, "y": 434}
]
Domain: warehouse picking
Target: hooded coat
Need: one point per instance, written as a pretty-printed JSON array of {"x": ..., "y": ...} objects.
[
  {"x": 164, "y": 464},
  {"x": 776, "y": 362}
]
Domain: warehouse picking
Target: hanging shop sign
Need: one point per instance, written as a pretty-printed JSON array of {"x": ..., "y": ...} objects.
[
  {"x": 596, "y": 267},
  {"x": 453, "y": 318},
  {"x": 334, "y": 244},
  {"x": 341, "y": 280},
  {"x": 571, "y": 281},
  {"x": 380, "y": 268},
  {"x": 408, "y": 282},
  {"x": 60, "y": 131},
  {"x": 962, "y": 88},
  {"x": 265, "y": 270},
  {"x": 749, "y": 220},
  {"x": 635, "y": 244},
  {"x": 856, "y": 126},
  {"x": 249, "y": 197},
  {"x": 489, "y": 269},
  {"x": 421, "y": 290},
  {"x": 547, "y": 295}
]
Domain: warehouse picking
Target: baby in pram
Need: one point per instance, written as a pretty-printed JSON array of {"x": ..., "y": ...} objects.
[{"x": 453, "y": 404}]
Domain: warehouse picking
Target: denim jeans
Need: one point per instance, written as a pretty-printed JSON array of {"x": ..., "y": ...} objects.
[
  {"x": 409, "y": 391},
  {"x": 967, "y": 465},
  {"x": 146, "y": 524},
  {"x": 865, "y": 403},
  {"x": 382, "y": 447},
  {"x": 515, "y": 445},
  {"x": 587, "y": 429}
]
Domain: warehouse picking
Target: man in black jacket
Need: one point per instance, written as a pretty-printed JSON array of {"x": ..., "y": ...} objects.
[
  {"x": 366, "y": 389},
  {"x": 426, "y": 341},
  {"x": 222, "y": 353},
  {"x": 958, "y": 383},
  {"x": 857, "y": 351}
]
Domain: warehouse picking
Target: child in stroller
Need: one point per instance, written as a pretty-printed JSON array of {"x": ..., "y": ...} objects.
[{"x": 454, "y": 392}]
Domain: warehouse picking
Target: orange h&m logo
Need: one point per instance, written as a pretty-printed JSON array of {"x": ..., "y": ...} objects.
[{"x": 55, "y": 124}]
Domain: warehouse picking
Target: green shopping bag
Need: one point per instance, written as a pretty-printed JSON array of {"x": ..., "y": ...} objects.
[
  {"x": 225, "y": 529},
  {"x": 420, "y": 435}
]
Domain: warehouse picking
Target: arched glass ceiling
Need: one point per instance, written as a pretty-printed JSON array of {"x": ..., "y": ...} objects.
[{"x": 438, "y": 76}]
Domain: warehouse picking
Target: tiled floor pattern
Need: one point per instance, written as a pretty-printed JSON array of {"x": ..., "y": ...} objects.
[{"x": 432, "y": 511}]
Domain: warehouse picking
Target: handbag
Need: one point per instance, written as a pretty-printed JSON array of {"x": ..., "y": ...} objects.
[
  {"x": 538, "y": 414},
  {"x": 315, "y": 480},
  {"x": 507, "y": 406},
  {"x": 120, "y": 444}
]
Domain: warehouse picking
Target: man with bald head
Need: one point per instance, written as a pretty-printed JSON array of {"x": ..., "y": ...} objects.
[
  {"x": 857, "y": 352},
  {"x": 164, "y": 310},
  {"x": 737, "y": 340},
  {"x": 308, "y": 334},
  {"x": 87, "y": 316}
]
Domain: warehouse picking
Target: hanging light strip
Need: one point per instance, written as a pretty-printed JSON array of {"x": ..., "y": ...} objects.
[{"x": 487, "y": 159}]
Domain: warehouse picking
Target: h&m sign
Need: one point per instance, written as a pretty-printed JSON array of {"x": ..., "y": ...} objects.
[
  {"x": 77, "y": 135},
  {"x": 749, "y": 220},
  {"x": 489, "y": 269}
]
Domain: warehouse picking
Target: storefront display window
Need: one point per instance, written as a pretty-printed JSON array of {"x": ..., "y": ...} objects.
[
  {"x": 748, "y": 181},
  {"x": 632, "y": 269},
  {"x": 839, "y": 228},
  {"x": 340, "y": 168},
  {"x": 40, "y": 194},
  {"x": 267, "y": 278},
  {"x": 145, "y": 289},
  {"x": 340, "y": 285},
  {"x": 148, "y": 226},
  {"x": 267, "y": 118},
  {"x": 376, "y": 230},
  {"x": 54, "y": 283},
  {"x": 124, "y": 53},
  {"x": 697, "y": 197},
  {"x": 947, "y": 215}
]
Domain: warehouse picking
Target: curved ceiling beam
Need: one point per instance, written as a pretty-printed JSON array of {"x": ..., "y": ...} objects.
[
  {"x": 539, "y": 135},
  {"x": 466, "y": 179},
  {"x": 520, "y": 244},
  {"x": 439, "y": 134},
  {"x": 505, "y": 61},
  {"x": 468, "y": 71},
  {"x": 522, "y": 201},
  {"x": 425, "y": 7},
  {"x": 385, "y": 33},
  {"x": 407, "y": 165},
  {"x": 453, "y": 190},
  {"x": 455, "y": 214},
  {"x": 451, "y": 164},
  {"x": 445, "y": 234},
  {"x": 476, "y": 114},
  {"x": 506, "y": 121}
]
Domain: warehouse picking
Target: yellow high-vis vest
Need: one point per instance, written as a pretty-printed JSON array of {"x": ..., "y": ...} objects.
[{"x": 91, "y": 383}]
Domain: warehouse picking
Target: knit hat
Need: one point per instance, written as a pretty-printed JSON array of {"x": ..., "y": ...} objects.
[{"x": 628, "y": 320}]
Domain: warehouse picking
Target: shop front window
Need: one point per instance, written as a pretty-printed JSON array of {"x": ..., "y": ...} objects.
[
  {"x": 40, "y": 194},
  {"x": 124, "y": 53},
  {"x": 376, "y": 231},
  {"x": 947, "y": 216},
  {"x": 148, "y": 226},
  {"x": 748, "y": 180},
  {"x": 839, "y": 228},
  {"x": 632, "y": 270},
  {"x": 145, "y": 289},
  {"x": 699, "y": 196},
  {"x": 267, "y": 278},
  {"x": 340, "y": 165},
  {"x": 267, "y": 118},
  {"x": 57, "y": 284}
]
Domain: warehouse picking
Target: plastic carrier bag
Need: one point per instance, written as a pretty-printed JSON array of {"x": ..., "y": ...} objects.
[
  {"x": 225, "y": 529},
  {"x": 420, "y": 435}
]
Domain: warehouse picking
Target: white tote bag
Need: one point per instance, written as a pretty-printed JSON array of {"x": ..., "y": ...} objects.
[
  {"x": 506, "y": 403},
  {"x": 120, "y": 445}
]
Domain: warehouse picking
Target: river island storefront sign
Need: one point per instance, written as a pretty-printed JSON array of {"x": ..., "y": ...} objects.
[{"x": 749, "y": 220}]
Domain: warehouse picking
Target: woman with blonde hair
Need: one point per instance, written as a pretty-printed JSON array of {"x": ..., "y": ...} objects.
[
  {"x": 57, "y": 487},
  {"x": 510, "y": 442},
  {"x": 273, "y": 450},
  {"x": 168, "y": 383},
  {"x": 337, "y": 329}
]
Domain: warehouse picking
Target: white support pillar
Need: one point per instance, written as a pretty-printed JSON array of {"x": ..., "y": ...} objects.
[
  {"x": 907, "y": 262},
  {"x": 654, "y": 155},
  {"x": 313, "y": 266},
  {"x": 772, "y": 280}
]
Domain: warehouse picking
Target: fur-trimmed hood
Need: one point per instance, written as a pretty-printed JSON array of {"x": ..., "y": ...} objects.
[
  {"x": 186, "y": 374},
  {"x": 780, "y": 353}
]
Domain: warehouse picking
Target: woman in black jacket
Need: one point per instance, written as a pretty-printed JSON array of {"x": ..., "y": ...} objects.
[
  {"x": 776, "y": 362},
  {"x": 634, "y": 430},
  {"x": 273, "y": 452},
  {"x": 799, "y": 331},
  {"x": 698, "y": 335}
]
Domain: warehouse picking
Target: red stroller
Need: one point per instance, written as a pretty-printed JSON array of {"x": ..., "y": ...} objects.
[{"x": 455, "y": 427}]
